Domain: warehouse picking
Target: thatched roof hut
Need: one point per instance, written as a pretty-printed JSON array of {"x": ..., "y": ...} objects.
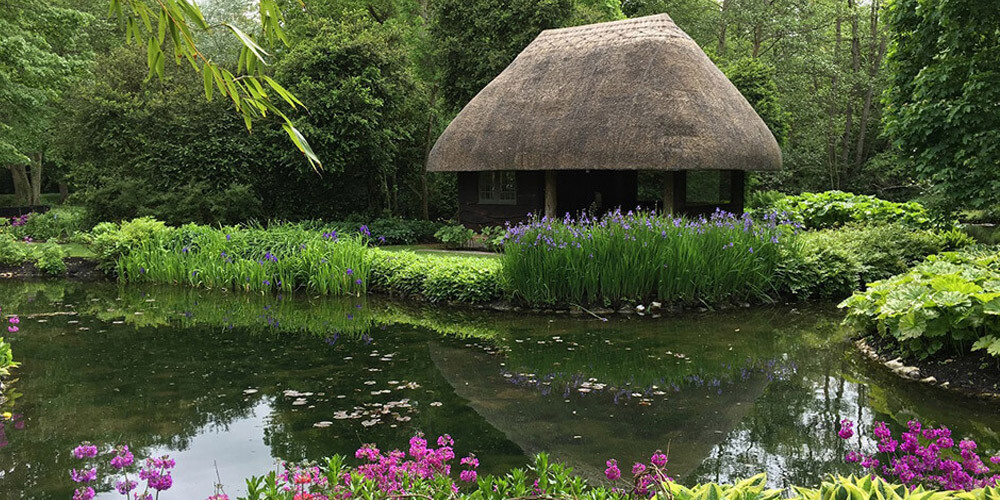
[{"x": 627, "y": 95}]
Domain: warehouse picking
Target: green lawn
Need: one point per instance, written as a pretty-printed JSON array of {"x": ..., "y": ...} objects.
[
  {"x": 438, "y": 249},
  {"x": 72, "y": 249}
]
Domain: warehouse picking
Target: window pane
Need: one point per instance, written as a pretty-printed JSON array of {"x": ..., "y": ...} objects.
[
  {"x": 498, "y": 187},
  {"x": 709, "y": 187}
]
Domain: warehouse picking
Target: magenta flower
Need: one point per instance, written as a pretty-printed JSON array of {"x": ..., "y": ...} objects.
[
  {"x": 638, "y": 468},
  {"x": 125, "y": 486},
  {"x": 846, "y": 429},
  {"x": 83, "y": 476},
  {"x": 84, "y": 493},
  {"x": 85, "y": 451},
  {"x": 468, "y": 476},
  {"x": 123, "y": 458},
  {"x": 659, "y": 459},
  {"x": 613, "y": 473}
]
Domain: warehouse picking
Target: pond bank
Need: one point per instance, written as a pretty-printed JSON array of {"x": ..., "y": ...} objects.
[
  {"x": 77, "y": 268},
  {"x": 961, "y": 374}
]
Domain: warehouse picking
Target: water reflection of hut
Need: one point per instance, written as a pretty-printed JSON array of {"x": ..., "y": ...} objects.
[
  {"x": 691, "y": 424},
  {"x": 568, "y": 125}
]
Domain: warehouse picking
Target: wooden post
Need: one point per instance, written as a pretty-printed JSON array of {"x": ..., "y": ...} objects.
[
  {"x": 551, "y": 201},
  {"x": 668, "y": 192},
  {"x": 739, "y": 189}
]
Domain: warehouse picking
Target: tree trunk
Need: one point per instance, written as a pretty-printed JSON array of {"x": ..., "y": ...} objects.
[
  {"x": 855, "y": 69},
  {"x": 721, "y": 48},
  {"x": 831, "y": 143},
  {"x": 431, "y": 119},
  {"x": 22, "y": 186},
  {"x": 63, "y": 191},
  {"x": 876, "y": 51},
  {"x": 36, "y": 180}
]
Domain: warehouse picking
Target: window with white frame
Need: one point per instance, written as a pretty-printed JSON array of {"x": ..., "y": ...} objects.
[{"x": 498, "y": 187}]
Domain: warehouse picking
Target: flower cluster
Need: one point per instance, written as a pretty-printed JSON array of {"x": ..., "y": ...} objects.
[
  {"x": 392, "y": 473},
  {"x": 156, "y": 472},
  {"x": 923, "y": 456},
  {"x": 645, "y": 477},
  {"x": 19, "y": 221}
]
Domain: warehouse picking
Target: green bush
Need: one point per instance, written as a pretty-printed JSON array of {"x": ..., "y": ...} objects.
[
  {"x": 12, "y": 253},
  {"x": 49, "y": 258},
  {"x": 836, "y": 208},
  {"x": 113, "y": 240},
  {"x": 60, "y": 223},
  {"x": 493, "y": 237},
  {"x": 949, "y": 303},
  {"x": 454, "y": 235},
  {"x": 436, "y": 278},
  {"x": 833, "y": 263}
]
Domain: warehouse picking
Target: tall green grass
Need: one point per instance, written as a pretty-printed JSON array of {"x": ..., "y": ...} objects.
[
  {"x": 641, "y": 256},
  {"x": 253, "y": 259}
]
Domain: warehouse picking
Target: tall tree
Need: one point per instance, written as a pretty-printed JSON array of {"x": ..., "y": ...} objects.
[
  {"x": 42, "y": 50},
  {"x": 942, "y": 107}
]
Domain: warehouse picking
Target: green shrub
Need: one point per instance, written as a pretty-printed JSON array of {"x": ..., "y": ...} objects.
[
  {"x": 949, "y": 303},
  {"x": 833, "y": 263},
  {"x": 12, "y": 253},
  {"x": 436, "y": 278},
  {"x": 810, "y": 270},
  {"x": 493, "y": 237},
  {"x": 836, "y": 208},
  {"x": 454, "y": 236},
  {"x": 7, "y": 362},
  {"x": 113, "y": 240},
  {"x": 49, "y": 258},
  {"x": 60, "y": 223}
]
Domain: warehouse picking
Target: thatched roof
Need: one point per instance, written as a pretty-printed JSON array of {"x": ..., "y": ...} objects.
[{"x": 637, "y": 94}]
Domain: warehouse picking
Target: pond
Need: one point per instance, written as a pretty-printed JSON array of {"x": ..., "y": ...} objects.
[{"x": 229, "y": 384}]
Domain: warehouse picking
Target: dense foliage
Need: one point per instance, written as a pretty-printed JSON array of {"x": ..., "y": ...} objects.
[
  {"x": 948, "y": 304},
  {"x": 834, "y": 263},
  {"x": 7, "y": 362},
  {"x": 436, "y": 278},
  {"x": 641, "y": 256},
  {"x": 236, "y": 258},
  {"x": 836, "y": 208},
  {"x": 365, "y": 117},
  {"x": 941, "y": 112}
]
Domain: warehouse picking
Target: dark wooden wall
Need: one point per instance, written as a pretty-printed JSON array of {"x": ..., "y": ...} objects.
[
  {"x": 530, "y": 199},
  {"x": 576, "y": 191}
]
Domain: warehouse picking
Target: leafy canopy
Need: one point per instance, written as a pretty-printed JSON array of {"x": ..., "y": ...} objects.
[{"x": 171, "y": 26}]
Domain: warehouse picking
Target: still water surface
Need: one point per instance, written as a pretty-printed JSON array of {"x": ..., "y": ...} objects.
[{"x": 229, "y": 384}]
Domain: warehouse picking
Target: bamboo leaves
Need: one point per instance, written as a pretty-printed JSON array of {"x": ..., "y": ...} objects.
[{"x": 174, "y": 28}]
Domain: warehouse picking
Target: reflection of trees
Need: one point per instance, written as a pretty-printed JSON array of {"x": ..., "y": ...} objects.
[
  {"x": 181, "y": 364},
  {"x": 791, "y": 433}
]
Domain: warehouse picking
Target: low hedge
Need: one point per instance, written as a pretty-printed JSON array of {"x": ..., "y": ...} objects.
[
  {"x": 833, "y": 263},
  {"x": 436, "y": 278}
]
